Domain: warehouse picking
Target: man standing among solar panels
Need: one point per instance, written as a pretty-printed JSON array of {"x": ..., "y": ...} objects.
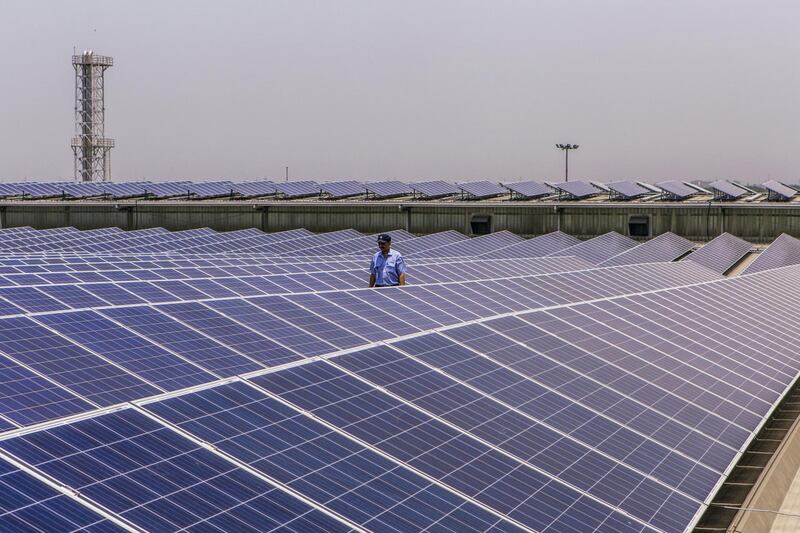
[{"x": 387, "y": 268}]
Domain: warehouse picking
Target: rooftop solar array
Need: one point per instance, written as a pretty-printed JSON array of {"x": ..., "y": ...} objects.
[
  {"x": 783, "y": 251},
  {"x": 721, "y": 253},
  {"x": 528, "y": 189},
  {"x": 224, "y": 190},
  {"x": 778, "y": 191},
  {"x": 150, "y": 383},
  {"x": 481, "y": 189}
]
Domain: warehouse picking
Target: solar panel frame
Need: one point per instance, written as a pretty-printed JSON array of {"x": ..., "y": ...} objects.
[
  {"x": 476, "y": 190},
  {"x": 342, "y": 189},
  {"x": 779, "y": 191},
  {"x": 725, "y": 190},
  {"x": 575, "y": 189},
  {"x": 387, "y": 189},
  {"x": 627, "y": 190},
  {"x": 527, "y": 189},
  {"x": 434, "y": 189}
]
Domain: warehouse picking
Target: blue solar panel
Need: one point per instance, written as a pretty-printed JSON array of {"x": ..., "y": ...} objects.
[
  {"x": 575, "y": 189},
  {"x": 627, "y": 189},
  {"x": 779, "y": 191},
  {"x": 726, "y": 190},
  {"x": 528, "y": 189},
  {"x": 434, "y": 189},
  {"x": 360, "y": 484},
  {"x": 481, "y": 189},
  {"x": 182, "y": 340},
  {"x": 158, "y": 480},
  {"x": 254, "y": 188},
  {"x": 231, "y": 334},
  {"x": 127, "y": 349},
  {"x": 69, "y": 365},
  {"x": 297, "y": 189},
  {"x": 342, "y": 189},
  {"x": 387, "y": 189},
  {"x": 28, "y": 504},
  {"x": 427, "y": 444},
  {"x": 721, "y": 253},
  {"x": 677, "y": 190}
]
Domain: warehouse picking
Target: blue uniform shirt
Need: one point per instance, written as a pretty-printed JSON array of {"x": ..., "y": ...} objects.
[{"x": 387, "y": 269}]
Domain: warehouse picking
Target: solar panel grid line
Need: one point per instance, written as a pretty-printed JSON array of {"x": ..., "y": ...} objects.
[
  {"x": 204, "y": 334},
  {"x": 733, "y": 331},
  {"x": 168, "y": 500},
  {"x": 653, "y": 432},
  {"x": 64, "y": 491},
  {"x": 104, "y": 383},
  {"x": 382, "y": 503},
  {"x": 700, "y": 333},
  {"x": 541, "y": 383},
  {"x": 783, "y": 251},
  {"x": 287, "y": 353},
  {"x": 721, "y": 253},
  {"x": 247, "y": 468},
  {"x": 489, "y": 445},
  {"x": 96, "y": 354},
  {"x": 180, "y": 363},
  {"x": 541, "y": 422},
  {"x": 677, "y": 373},
  {"x": 689, "y": 367}
]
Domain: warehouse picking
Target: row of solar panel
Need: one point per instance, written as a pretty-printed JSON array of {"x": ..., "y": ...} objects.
[
  {"x": 592, "y": 416},
  {"x": 618, "y": 190},
  {"x": 293, "y": 246},
  {"x": 608, "y": 434}
]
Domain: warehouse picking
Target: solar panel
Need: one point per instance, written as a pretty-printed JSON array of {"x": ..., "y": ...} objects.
[
  {"x": 481, "y": 189},
  {"x": 575, "y": 189},
  {"x": 342, "y": 189},
  {"x": 210, "y": 189},
  {"x": 359, "y": 483},
  {"x": 779, "y": 191},
  {"x": 665, "y": 247},
  {"x": 536, "y": 247},
  {"x": 627, "y": 190},
  {"x": 698, "y": 188},
  {"x": 297, "y": 189},
  {"x": 154, "y": 478},
  {"x": 528, "y": 189},
  {"x": 254, "y": 188},
  {"x": 612, "y": 398},
  {"x": 721, "y": 253},
  {"x": 29, "y": 504},
  {"x": 598, "y": 249},
  {"x": 387, "y": 189},
  {"x": 434, "y": 189},
  {"x": 727, "y": 190},
  {"x": 783, "y": 251},
  {"x": 677, "y": 190}
]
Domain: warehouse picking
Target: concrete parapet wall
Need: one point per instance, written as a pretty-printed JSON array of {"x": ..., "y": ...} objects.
[{"x": 756, "y": 223}]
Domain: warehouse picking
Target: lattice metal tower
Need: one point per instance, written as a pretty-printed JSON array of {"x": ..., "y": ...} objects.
[{"x": 91, "y": 148}]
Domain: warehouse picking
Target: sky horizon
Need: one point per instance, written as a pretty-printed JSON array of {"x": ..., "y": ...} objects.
[{"x": 459, "y": 90}]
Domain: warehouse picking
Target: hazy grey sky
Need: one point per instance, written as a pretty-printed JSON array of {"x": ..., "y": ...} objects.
[{"x": 459, "y": 89}]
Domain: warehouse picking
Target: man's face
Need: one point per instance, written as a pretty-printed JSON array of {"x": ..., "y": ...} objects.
[{"x": 384, "y": 246}]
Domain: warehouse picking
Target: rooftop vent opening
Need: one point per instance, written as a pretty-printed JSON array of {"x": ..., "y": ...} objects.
[
  {"x": 639, "y": 226},
  {"x": 481, "y": 224}
]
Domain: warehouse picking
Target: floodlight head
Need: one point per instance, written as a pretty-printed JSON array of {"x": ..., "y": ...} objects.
[
  {"x": 559, "y": 146},
  {"x": 575, "y": 147}
]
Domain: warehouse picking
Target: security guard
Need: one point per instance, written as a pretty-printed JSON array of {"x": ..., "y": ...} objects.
[{"x": 387, "y": 268}]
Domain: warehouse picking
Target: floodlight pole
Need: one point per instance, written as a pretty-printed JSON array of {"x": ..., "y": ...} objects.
[{"x": 566, "y": 148}]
